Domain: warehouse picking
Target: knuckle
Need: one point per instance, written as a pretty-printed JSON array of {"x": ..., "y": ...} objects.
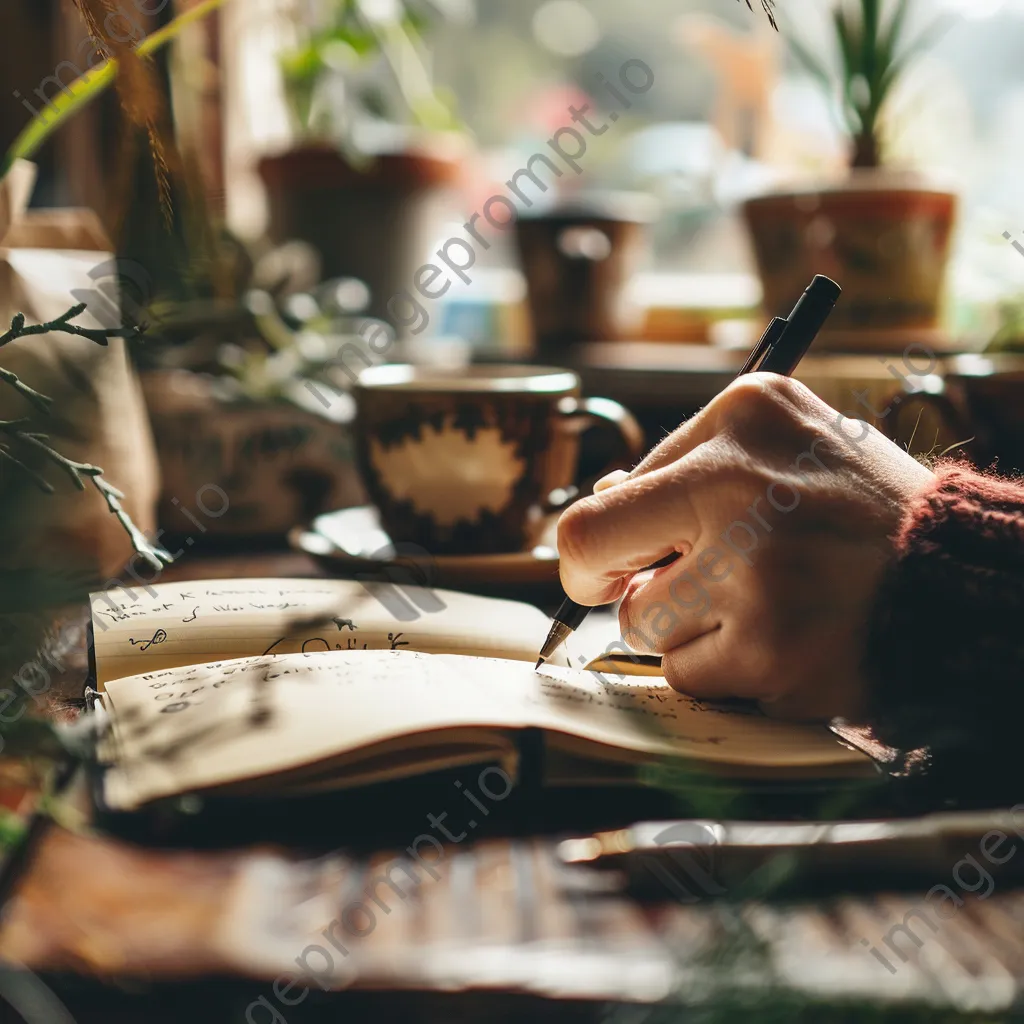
[
  {"x": 760, "y": 391},
  {"x": 763, "y": 402},
  {"x": 782, "y": 390},
  {"x": 574, "y": 528},
  {"x": 779, "y": 386},
  {"x": 742, "y": 401}
]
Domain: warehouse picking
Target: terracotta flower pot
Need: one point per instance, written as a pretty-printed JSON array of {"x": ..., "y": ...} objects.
[
  {"x": 884, "y": 238},
  {"x": 243, "y": 470},
  {"x": 376, "y": 224}
]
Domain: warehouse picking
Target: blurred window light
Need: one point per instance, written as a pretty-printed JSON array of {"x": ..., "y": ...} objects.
[
  {"x": 686, "y": 148},
  {"x": 981, "y": 8},
  {"x": 458, "y": 11},
  {"x": 381, "y": 12},
  {"x": 566, "y": 27}
]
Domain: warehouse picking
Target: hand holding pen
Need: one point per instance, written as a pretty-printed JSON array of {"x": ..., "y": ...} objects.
[
  {"x": 778, "y": 350},
  {"x": 769, "y": 516}
]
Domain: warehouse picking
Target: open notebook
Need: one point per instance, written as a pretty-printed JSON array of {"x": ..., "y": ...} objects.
[
  {"x": 277, "y": 725},
  {"x": 174, "y": 624},
  {"x": 275, "y": 686}
]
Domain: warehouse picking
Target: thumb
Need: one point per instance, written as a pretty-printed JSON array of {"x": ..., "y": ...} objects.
[{"x": 617, "y": 476}]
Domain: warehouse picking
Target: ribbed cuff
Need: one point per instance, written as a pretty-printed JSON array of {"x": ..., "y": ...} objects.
[{"x": 945, "y": 653}]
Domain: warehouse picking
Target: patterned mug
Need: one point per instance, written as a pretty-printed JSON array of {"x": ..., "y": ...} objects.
[{"x": 473, "y": 461}]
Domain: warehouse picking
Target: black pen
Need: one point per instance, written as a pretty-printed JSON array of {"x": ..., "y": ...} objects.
[{"x": 779, "y": 350}]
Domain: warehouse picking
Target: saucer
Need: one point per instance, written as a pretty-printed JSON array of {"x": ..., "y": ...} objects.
[{"x": 351, "y": 542}]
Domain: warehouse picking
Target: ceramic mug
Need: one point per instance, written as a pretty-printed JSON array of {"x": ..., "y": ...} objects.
[
  {"x": 986, "y": 391},
  {"x": 578, "y": 260},
  {"x": 472, "y": 461}
]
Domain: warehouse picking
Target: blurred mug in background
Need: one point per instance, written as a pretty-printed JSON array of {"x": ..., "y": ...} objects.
[
  {"x": 578, "y": 259},
  {"x": 988, "y": 394},
  {"x": 903, "y": 395}
]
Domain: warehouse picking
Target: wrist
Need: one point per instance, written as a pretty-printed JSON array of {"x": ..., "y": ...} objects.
[{"x": 946, "y": 642}]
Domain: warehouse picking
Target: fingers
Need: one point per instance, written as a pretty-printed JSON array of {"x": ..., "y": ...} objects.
[
  {"x": 715, "y": 666},
  {"x": 684, "y": 439},
  {"x": 764, "y": 407},
  {"x": 627, "y": 525},
  {"x": 734, "y": 660},
  {"x": 615, "y": 477},
  {"x": 671, "y": 606},
  {"x": 746, "y": 397},
  {"x": 605, "y": 538},
  {"x": 699, "y": 669}
]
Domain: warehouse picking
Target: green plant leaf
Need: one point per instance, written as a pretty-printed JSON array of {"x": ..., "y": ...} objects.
[
  {"x": 302, "y": 65},
  {"x": 85, "y": 89},
  {"x": 925, "y": 39},
  {"x": 870, "y": 11},
  {"x": 812, "y": 63},
  {"x": 849, "y": 44},
  {"x": 353, "y": 34},
  {"x": 850, "y": 36},
  {"x": 889, "y": 38},
  {"x": 829, "y": 80}
]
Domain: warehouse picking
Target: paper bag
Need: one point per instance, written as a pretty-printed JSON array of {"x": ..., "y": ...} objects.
[{"x": 51, "y": 260}]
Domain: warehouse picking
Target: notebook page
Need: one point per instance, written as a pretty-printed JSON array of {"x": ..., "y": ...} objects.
[
  {"x": 185, "y": 729},
  {"x": 173, "y": 624},
  {"x": 648, "y": 716}
]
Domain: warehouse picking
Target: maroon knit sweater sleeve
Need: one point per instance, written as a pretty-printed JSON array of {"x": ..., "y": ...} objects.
[{"x": 945, "y": 653}]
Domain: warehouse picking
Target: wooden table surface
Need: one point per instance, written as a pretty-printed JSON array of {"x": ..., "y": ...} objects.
[
  {"x": 500, "y": 928},
  {"x": 500, "y": 917}
]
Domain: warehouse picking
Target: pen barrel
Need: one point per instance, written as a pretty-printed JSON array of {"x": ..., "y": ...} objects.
[{"x": 808, "y": 317}]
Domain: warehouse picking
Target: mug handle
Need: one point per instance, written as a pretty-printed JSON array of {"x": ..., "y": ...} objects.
[{"x": 584, "y": 413}]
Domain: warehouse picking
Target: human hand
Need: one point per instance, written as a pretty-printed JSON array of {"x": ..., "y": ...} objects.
[{"x": 781, "y": 511}]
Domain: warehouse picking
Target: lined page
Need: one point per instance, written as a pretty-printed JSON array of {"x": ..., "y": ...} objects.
[{"x": 174, "y": 624}]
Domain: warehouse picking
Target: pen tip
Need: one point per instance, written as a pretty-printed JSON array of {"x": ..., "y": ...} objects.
[{"x": 540, "y": 661}]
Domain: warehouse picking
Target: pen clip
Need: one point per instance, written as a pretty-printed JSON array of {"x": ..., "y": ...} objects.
[{"x": 773, "y": 332}]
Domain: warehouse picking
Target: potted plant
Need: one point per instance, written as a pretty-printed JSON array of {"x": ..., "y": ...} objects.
[
  {"x": 23, "y": 445},
  {"x": 883, "y": 233},
  {"x": 233, "y": 422},
  {"x": 69, "y": 401},
  {"x": 367, "y": 184},
  {"x": 264, "y": 417}
]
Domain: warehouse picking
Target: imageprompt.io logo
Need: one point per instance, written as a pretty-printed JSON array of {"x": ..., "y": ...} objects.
[
  {"x": 26, "y": 999},
  {"x": 674, "y": 860},
  {"x": 684, "y": 864},
  {"x": 404, "y": 581},
  {"x": 122, "y": 293}
]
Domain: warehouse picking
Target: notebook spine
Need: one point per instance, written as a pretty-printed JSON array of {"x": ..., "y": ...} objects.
[
  {"x": 90, "y": 647},
  {"x": 532, "y": 756}
]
